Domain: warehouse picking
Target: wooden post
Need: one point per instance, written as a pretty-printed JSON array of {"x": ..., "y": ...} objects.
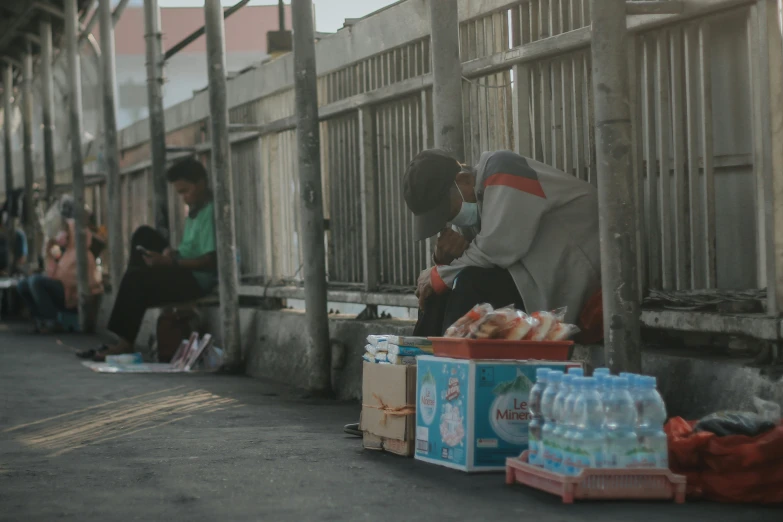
[
  {"x": 222, "y": 183},
  {"x": 111, "y": 145},
  {"x": 311, "y": 196},
  {"x": 75, "y": 120},
  {"x": 616, "y": 189}
]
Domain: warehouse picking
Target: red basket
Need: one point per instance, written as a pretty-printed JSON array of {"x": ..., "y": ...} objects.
[
  {"x": 607, "y": 484},
  {"x": 500, "y": 349}
]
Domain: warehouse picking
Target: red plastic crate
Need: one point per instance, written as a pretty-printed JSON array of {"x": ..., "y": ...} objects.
[
  {"x": 606, "y": 484},
  {"x": 500, "y": 349}
]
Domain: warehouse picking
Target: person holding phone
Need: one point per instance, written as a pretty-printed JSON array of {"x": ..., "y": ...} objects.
[{"x": 158, "y": 274}]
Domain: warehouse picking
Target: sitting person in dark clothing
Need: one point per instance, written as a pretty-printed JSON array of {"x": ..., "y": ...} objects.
[
  {"x": 158, "y": 275},
  {"x": 512, "y": 231}
]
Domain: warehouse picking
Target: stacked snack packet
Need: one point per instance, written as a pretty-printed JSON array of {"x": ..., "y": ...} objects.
[{"x": 395, "y": 349}]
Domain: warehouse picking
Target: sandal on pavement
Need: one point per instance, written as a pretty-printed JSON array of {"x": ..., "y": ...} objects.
[{"x": 92, "y": 352}]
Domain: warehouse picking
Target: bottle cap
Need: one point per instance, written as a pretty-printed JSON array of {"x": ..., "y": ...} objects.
[
  {"x": 589, "y": 382},
  {"x": 620, "y": 382},
  {"x": 648, "y": 381},
  {"x": 542, "y": 373},
  {"x": 601, "y": 371},
  {"x": 555, "y": 376},
  {"x": 576, "y": 371},
  {"x": 567, "y": 378}
]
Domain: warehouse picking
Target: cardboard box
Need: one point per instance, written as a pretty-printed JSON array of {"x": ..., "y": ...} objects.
[
  {"x": 388, "y": 408},
  {"x": 472, "y": 414}
]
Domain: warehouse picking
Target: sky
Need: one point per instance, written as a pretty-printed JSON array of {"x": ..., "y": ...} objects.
[{"x": 329, "y": 14}]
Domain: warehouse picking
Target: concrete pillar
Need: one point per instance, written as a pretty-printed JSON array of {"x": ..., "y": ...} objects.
[
  {"x": 8, "y": 94},
  {"x": 447, "y": 77},
  {"x": 160, "y": 189},
  {"x": 111, "y": 146},
  {"x": 47, "y": 105},
  {"x": 27, "y": 152},
  {"x": 616, "y": 198},
  {"x": 77, "y": 166},
  {"x": 311, "y": 196},
  {"x": 222, "y": 183}
]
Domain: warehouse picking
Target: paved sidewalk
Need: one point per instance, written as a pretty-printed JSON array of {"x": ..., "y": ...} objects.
[{"x": 85, "y": 446}]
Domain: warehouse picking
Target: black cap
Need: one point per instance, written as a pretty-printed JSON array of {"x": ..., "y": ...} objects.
[{"x": 426, "y": 186}]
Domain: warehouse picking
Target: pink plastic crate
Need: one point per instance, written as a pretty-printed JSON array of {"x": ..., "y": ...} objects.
[{"x": 618, "y": 484}]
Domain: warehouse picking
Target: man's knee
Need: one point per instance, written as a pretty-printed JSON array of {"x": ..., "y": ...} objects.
[
  {"x": 472, "y": 280},
  {"x": 36, "y": 282}
]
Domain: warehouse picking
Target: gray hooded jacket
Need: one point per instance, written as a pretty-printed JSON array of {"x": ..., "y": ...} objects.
[{"x": 539, "y": 223}]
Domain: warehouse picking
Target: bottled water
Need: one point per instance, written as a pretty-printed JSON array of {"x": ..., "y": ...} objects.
[
  {"x": 559, "y": 414},
  {"x": 587, "y": 444},
  {"x": 568, "y": 413},
  {"x": 535, "y": 455},
  {"x": 653, "y": 449},
  {"x": 620, "y": 441},
  {"x": 569, "y": 424},
  {"x": 547, "y": 409}
]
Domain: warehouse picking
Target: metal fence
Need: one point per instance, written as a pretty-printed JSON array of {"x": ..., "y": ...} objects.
[{"x": 527, "y": 86}]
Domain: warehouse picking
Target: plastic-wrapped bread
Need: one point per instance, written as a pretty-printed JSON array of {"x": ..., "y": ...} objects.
[
  {"x": 562, "y": 332},
  {"x": 461, "y": 328}
]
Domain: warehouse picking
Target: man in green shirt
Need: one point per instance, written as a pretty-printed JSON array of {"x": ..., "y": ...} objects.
[{"x": 158, "y": 275}]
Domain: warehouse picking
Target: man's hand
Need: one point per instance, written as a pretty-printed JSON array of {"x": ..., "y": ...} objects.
[
  {"x": 450, "y": 246},
  {"x": 424, "y": 287},
  {"x": 155, "y": 259}
]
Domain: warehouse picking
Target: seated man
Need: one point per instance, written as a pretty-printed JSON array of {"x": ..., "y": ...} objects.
[
  {"x": 536, "y": 238},
  {"x": 158, "y": 275},
  {"x": 57, "y": 290}
]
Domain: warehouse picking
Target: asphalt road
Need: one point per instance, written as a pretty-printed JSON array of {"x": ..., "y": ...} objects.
[{"x": 85, "y": 446}]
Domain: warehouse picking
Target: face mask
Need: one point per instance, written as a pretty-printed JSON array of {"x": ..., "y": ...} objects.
[{"x": 468, "y": 213}]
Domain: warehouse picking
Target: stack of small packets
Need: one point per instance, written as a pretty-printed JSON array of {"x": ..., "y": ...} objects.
[{"x": 395, "y": 349}]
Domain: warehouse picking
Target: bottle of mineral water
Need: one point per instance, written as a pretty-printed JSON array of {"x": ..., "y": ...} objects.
[
  {"x": 535, "y": 455},
  {"x": 568, "y": 416},
  {"x": 653, "y": 449},
  {"x": 559, "y": 431},
  {"x": 620, "y": 441},
  {"x": 554, "y": 379},
  {"x": 587, "y": 445},
  {"x": 569, "y": 423}
]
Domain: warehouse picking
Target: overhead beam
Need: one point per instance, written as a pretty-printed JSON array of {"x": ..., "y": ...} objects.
[{"x": 645, "y": 7}]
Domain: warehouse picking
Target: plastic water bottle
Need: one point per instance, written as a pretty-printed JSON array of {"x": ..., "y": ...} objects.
[
  {"x": 620, "y": 441},
  {"x": 554, "y": 379},
  {"x": 568, "y": 415},
  {"x": 535, "y": 455},
  {"x": 653, "y": 445},
  {"x": 559, "y": 431},
  {"x": 587, "y": 445},
  {"x": 569, "y": 423},
  {"x": 602, "y": 384}
]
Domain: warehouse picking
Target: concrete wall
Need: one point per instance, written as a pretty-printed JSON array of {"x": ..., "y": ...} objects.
[{"x": 275, "y": 347}]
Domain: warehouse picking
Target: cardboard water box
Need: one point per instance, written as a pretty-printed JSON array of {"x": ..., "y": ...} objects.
[
  {"x": 388, "y": 407},
  {"x": 473, "y": 414}
]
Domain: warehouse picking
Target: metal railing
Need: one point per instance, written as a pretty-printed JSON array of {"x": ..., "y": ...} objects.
[{"x": 527, "y": 87}]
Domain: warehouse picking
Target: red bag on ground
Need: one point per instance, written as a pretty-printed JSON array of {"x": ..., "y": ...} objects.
[{"x": 735, "y": 468}]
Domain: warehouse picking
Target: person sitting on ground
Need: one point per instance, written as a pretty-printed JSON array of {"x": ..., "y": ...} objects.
[
  {"x": 524, "y": 234},
  {"x": 57, "y": 290},
  {"x": 158, "y": 275},
  {"x": 19, "y": 249}
]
